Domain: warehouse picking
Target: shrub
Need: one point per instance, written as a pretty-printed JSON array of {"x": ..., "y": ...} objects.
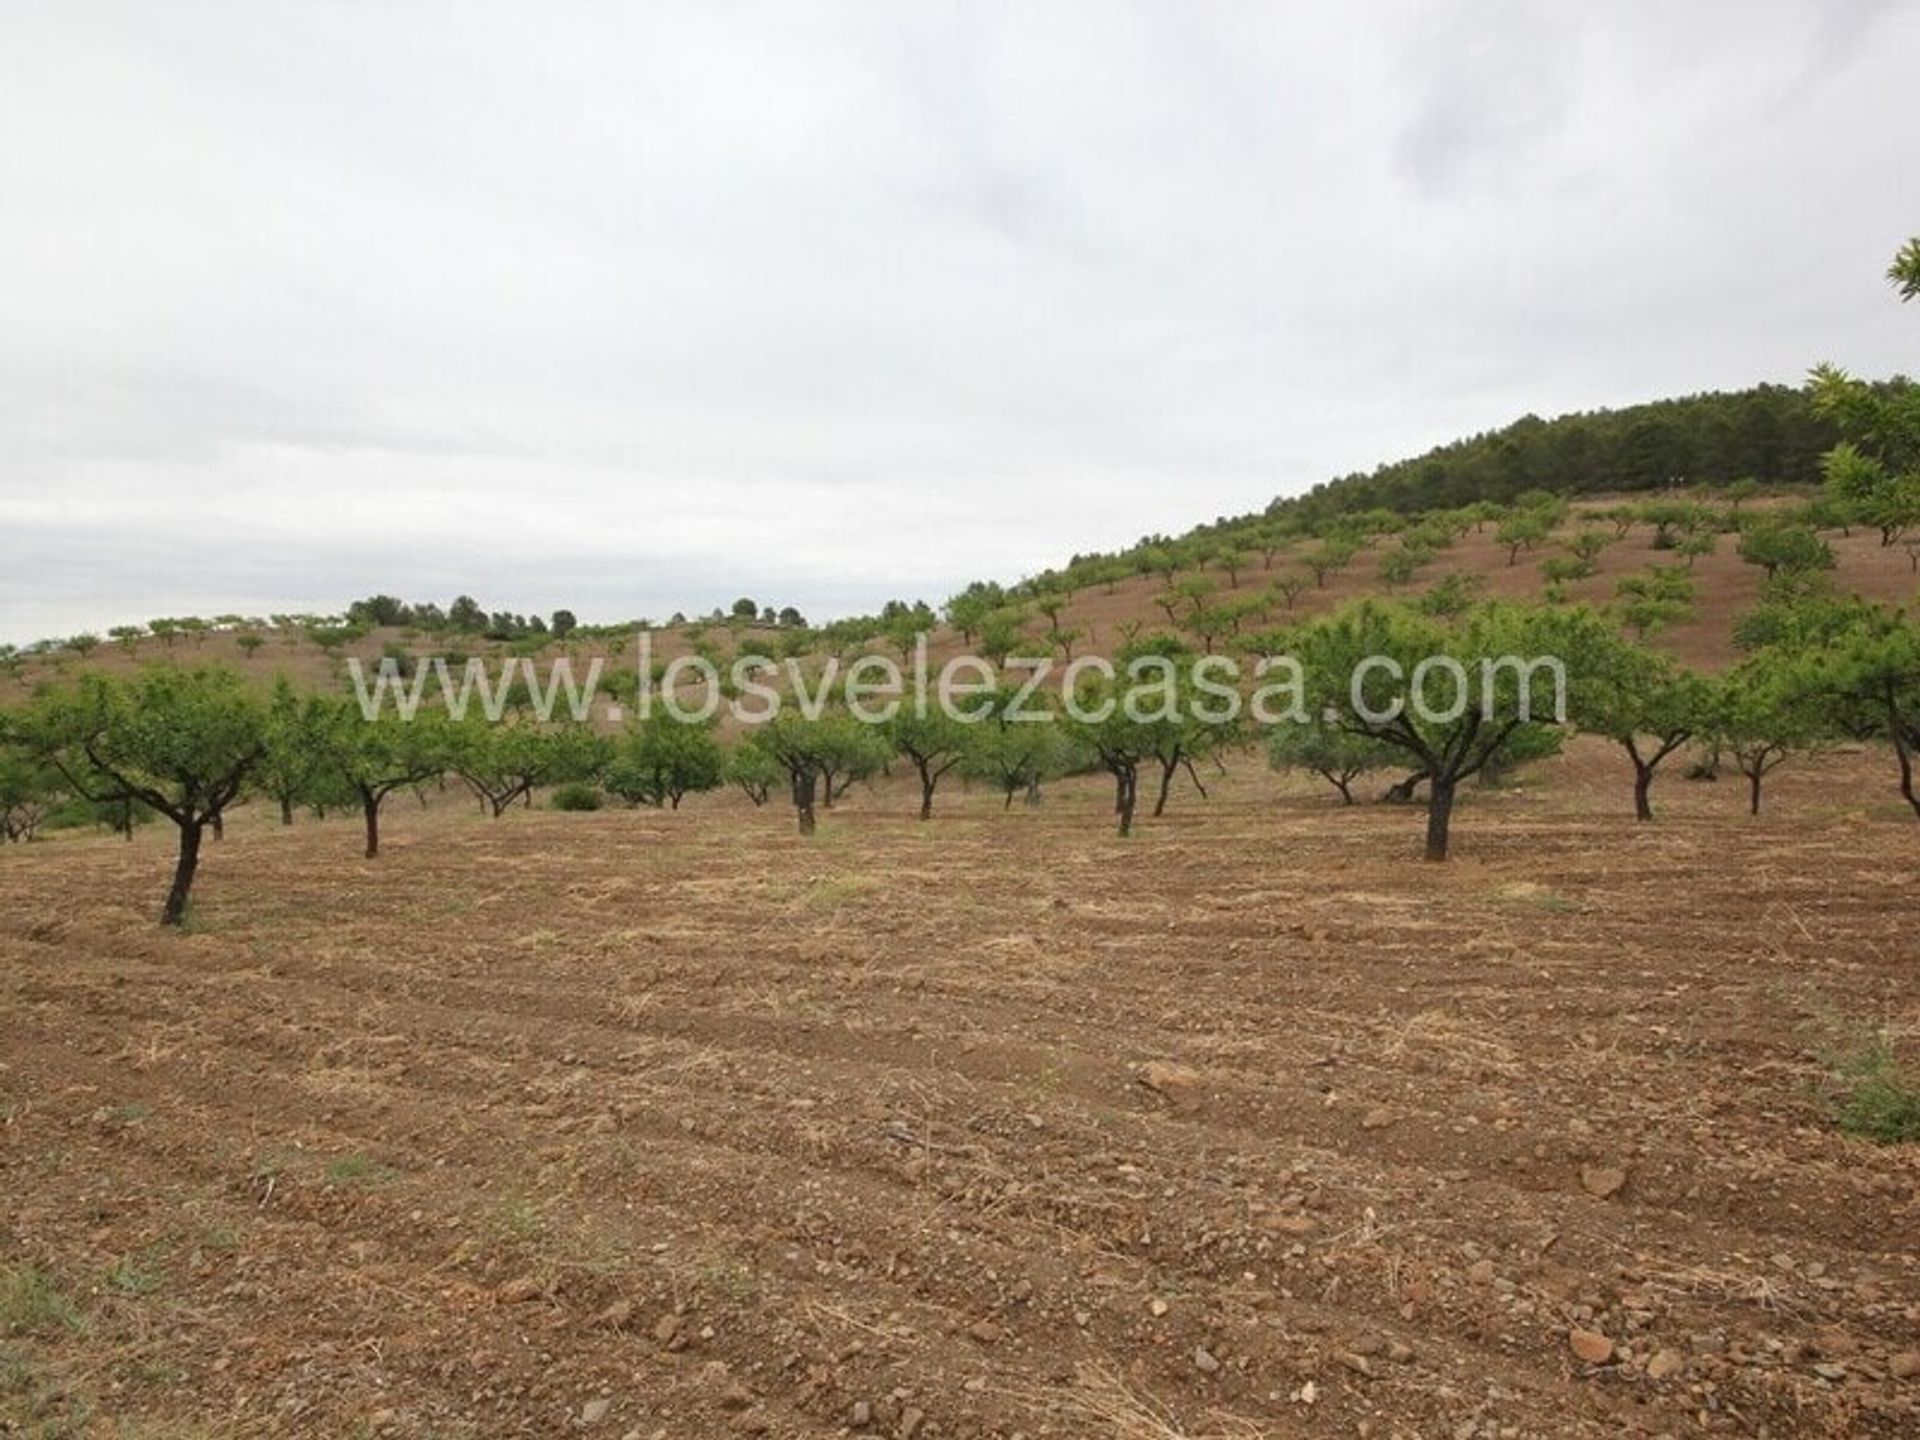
[{"x": 575, "y": 796}]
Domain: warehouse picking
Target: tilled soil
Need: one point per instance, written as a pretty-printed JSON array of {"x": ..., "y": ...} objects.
[{"x": 675, "y": 1125}]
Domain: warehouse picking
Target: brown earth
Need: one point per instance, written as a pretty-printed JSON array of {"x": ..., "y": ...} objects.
[{"x": 638, "y": 1124}]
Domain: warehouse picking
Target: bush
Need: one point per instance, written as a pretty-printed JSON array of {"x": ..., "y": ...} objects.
[
  {"x": 576, "y": 796},
  {"x": 1881, "y": 1101}
]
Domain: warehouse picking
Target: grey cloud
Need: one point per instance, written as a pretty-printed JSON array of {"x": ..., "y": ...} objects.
[{"x": 635, "y": 308}]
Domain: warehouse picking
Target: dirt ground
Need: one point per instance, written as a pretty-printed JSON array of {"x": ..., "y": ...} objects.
[{"x": 674, "y": 1125}]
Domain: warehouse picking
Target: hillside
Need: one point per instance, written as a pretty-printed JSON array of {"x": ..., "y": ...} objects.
[{"x": 1103, "y": 614}]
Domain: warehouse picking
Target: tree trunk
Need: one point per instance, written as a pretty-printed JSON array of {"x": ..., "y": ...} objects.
[
  {"x": 175, "y": 912},
  {"x": 1166, "y": 784},
  {"x": 1903, "y": 749},
  {"x": 1753, "y": 790},
  {"x": 1126, "y": 791},
  {"x": 370, "y": 807},
  {"x": 1439, "y": 817},
  {"x": 1401, "y": 791},
  {"x": 219, "y": 823},
  {"x": 803, "y": 793},
  {"x": 927, "y": 782},
  {"x": 286, "y": 810},
  {"x": 1642, "y": 783}
]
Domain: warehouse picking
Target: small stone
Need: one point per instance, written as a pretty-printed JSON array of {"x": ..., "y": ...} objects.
[
  {"x": 1664, "y": 1363},
  {"x": 1378, "y": 1118},
  {"x": 519, "y": 1290},
  {"x": 1157, "y": 1306},
  {"x": 1203, "y": 1360},
  {"x": 1481, "y": 1272},
  {"x": 984, "y": 1331},
  {"x": 862, "y": 1415},
  {"x": 1905, "y": 1365},
  {"x": 1603, "y": 1181},
  {"x": 1832, "y": 1372},
  {"x": 911, "y": 1423},
  {"x": 1591, "y": 1346},
  {"x": 594, "y": 1411},
  {"x": 1163, "y": 1077},
  {"x": 1358, "y": 1364},
  {"x": 1399, "y": 1352},
  {"x": 667, "y": 1330}
]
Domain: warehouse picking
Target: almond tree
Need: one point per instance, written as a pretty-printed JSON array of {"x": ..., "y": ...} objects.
[
  {"x": 374, "y": 758},
  {"x": 663, "y": 760},
  {"x": 1337, "y": 756},
  {"x": 182, "y": 742},
  {"x": 1360, "y": 665},
  {"x": 933, "y": 744},
  {"x": 1763, "y": 715},
  {"x": 1641, "y": 700}
]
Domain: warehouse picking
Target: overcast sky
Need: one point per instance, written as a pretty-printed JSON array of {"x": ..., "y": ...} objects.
[{"x": 637, "y": 307}]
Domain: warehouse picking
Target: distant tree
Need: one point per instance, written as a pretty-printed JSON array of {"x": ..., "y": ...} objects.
[
  {"x": 1452, "y": 596},
  {"x": 1762, "y": 717},
  {"x": 1016, "y": 756},
  {"x": 83, "y": 644},
  {"x": 1657, "y": 597},
  {"x": 378, "y": 610},
  {"x": 792, "y": 618},
  {"x": 292, "y": 769},
  {"x": 933, "y": 744},
  {"x": 1692, "y": 547},
  {"x": 1399, "y": 565},
  {"x": 664, "y": 759},
  {"x": 1588, "y": 546},
  {"x": 1336, "y": 755},
  {"x": 508, "y": 761},
  {"x": 181, "y": 742},
  {"x": 1002, "y": 632},
  {"x": 374, "y": 758},
  {"x": 126, "y": 636},
  {"x": 1640, "y": 700},
  {"x": 752, "y": 769},
  {"x": 1289, "y": 587},
  {"x": 30, "y": 791},
  {"x": 1330, "y": 557},
  {"x": 1101, "y": 725},
  {"x": 1776, "y": 547},
  {"x": 798, "y": 746},
  {"x": 1521, "y": 530},
  {"x": 249, "y": 643},
  {"x": 745, "y": 608},
  {"x": 465, "y": 615}
]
